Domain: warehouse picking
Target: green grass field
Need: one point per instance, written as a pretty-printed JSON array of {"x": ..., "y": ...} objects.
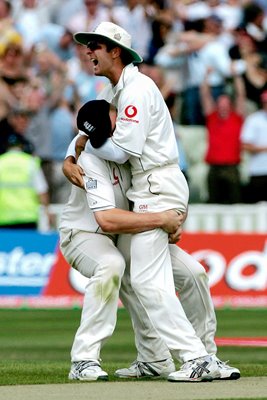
[{"x": 35, "y": 344}]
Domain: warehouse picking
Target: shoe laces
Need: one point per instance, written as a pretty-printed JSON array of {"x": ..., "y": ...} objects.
[
  {"x": 144, "y": 369},
  {"x": 193, "y": 363},
  {"x": 82, "y": 365},
  {"x": 222, "y": 364},
  {"x": 187, "y": 365}
]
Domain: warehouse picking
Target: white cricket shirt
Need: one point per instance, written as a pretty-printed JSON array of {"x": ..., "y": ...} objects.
[
  {"x": 105, "y": 187},
  {"x": 144, "y": 126}
]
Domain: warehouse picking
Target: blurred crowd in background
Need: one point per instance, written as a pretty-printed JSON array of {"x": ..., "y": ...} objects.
[{"x": 194, "y": 50}]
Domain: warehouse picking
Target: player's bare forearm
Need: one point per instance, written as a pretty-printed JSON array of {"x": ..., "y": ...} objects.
[
  {"x": 121, "y": 221},
  {"x": 80, "y": 145},
  {"x": 253, "y": 149},
  {"x": 73, "y": 172}
]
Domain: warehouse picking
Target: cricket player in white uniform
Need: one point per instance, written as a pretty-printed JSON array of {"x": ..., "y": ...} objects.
[
  {"x": 191, "y": 281},
  {"x": 94, "y": 254},
  {"x": 144, "y": 134}
]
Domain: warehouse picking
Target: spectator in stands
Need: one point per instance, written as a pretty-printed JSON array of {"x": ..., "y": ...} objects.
[
  {"x": 6, "y": 20},
  {"x": 255, "y": 74},
  {"x": 83, "y": 85},
  {"x": 254, "y": 141},
  {"x": 133, "y": 16},
  {"x": 50, "y": 72},
  {"x": 161, "y": 27},
  {"x": 199, "y": 50},
  {"x": 23, "y": 187},
  {"x": 255, "y": 23},
  {"x": 15, "y": 126},
  {"x": 64, "y": 10},
  {"x": 191, "y": 10},
  {"x": 30, "y": 16},
  {"x": 92, "y": 13},
  {"x": 231, "y": 12},
  {"x": 13, "y": 73},
  {"x": 255, "y": 78},
  {"x": 263, "y": 5},
  {"x": 223, "y": 122},
  {"x": 57, "y": 39},
  {"x": 172, "y": 106},
  {"x": 52, "y": 120},
  {"x": 61, "y": 124},
  {"x": 38, "y": 131}
]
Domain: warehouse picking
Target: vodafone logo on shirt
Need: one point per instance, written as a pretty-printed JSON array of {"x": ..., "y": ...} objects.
[{"x": 130, "y": 112}]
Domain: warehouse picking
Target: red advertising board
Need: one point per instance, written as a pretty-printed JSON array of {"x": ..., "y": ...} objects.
[{"x": 236, "y": 265}]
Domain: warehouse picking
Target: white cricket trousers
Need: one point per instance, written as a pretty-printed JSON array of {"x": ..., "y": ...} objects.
[
  {"x": 151, "y": 270},
  {"x": 190, "y": 280},
  {"x": 96, "y": 257},
  {"x": 191, "y": 283}
]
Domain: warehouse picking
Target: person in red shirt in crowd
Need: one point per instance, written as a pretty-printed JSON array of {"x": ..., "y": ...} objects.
[{"x": 224, "y": 120}]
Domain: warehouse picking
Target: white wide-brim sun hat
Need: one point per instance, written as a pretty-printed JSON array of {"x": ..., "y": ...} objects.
[{"x": 110, "y": 32}]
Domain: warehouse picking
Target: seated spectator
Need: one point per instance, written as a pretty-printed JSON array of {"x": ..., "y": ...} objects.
[
  {"x": 254, "y": 141},
  {"x": 223, "y": 122}
]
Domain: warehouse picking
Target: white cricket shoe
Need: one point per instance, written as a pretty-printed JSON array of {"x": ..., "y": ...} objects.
[
  {"x": 140, "y": 369},
  {"x": 203, "y": 369},
  {"x": 226, "y": 371},
  {"x": 87, "y": 371}
]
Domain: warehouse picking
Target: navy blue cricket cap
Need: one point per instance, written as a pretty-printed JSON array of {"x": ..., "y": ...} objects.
[{"x": 94, "y": 120}]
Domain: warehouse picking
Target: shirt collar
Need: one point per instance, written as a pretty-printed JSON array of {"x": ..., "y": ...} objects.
[{"x": 127, "y": 73}]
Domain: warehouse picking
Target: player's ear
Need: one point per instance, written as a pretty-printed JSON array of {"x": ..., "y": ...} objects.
[{"x": 116, "y": 52}]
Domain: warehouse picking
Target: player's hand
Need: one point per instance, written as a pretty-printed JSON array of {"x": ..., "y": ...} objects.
[
  {"x": 73, "y": 172},
  {"x": 175, "y": 237},
  {"x": 80, "y": 145},
  {"x": 172, "y": 221}
]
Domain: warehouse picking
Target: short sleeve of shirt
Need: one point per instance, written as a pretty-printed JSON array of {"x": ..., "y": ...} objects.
[
  {"x": 249, "y": 130},
  {"x": 98, "y": 186}
]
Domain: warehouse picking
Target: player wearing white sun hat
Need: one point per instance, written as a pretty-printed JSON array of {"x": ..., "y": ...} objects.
[{"x": 144, "y": 136}]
